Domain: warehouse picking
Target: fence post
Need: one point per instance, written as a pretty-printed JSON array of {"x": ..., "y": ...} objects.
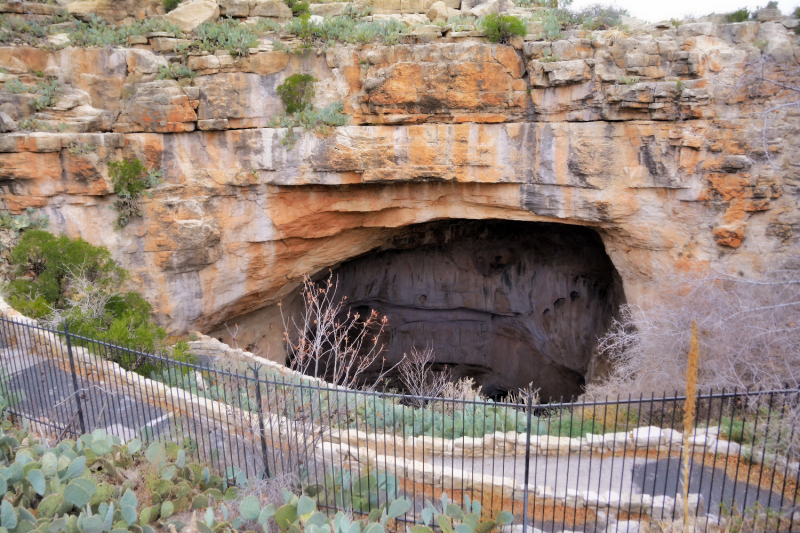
[
  {"x": 74, "y": 379},
  {"x": 256, "y": 370},
  {"x": 528, "y": 409}
]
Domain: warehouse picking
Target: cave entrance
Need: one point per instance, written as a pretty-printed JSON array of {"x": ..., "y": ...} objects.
[{"x": 506, "y": 303}]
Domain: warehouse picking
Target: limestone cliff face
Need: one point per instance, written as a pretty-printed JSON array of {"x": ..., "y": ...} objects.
[{"x": 655, "y": 141}]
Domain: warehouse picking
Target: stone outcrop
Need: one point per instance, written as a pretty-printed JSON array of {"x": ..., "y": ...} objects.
[
  {"x": 648, "y": 139},
  {"x": 189, "y": 15}
]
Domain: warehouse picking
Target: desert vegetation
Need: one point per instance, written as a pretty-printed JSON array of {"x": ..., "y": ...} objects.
[
  {"x": 749, "y": 336},
  {"x": 99, "y": 483}
]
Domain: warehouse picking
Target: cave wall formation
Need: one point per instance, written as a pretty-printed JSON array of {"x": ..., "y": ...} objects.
[
  {"x": 507, "y": 303},
  {"x": 673, "y": 168}
]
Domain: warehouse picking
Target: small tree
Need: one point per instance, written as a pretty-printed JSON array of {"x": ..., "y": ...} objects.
[
  {"x": 333, "y": 342},
  {"x": 501, "y": 28},
  {"x": 131, "y": 179},
  {"x": 418, "y": 378},
  {"x": 296, "y": 92}
]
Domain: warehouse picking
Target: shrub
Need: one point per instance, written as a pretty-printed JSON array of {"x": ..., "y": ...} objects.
[
  {"x": 169, "y": 5},
  {"x": 29, "y": 220},
  {"x": 130, "y": 178},
  {"x": 311, "y": 119},
  {"x": 50, "y": 260},
  {"x": 551, "y": 24},
  {"x": 749, "y": 336},
  {"x": 501, "y": 28},
  {"x": 47, "y": 94},
  {"x": 345, "y": 29},
  {"x": 228, "y": 34},
  {"x": 299, "y": 9},
  {"x": 296, "y": 92},
  {"x": 59, "y": 279},
  {"x": 98, "y": 32},
  {"x": 600, "y": 17},
  {"x": 175, "y": 71},
  {"x": 740, "y": 15},
  {"x": 16, "y": 87}
]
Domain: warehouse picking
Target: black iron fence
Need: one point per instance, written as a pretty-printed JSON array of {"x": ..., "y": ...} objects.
[{"x": 610, "y": 465}]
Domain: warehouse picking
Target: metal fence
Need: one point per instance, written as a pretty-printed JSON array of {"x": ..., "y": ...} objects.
[{"x": 610, "y": 465}]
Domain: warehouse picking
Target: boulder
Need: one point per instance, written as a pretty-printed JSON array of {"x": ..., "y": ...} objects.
[
  {"x": 489, "y": 7},
  {"x": 188, "y": 16},
  {"x": 646, "y": 437},
  {"x": 329, "y": 10},
  {"x": 58, "y": 40},
  {"x": 769, "y": 14},
  {"x": 70, "y": 99},
  {"x": 234, "y": 8},
  {"x": 144, "y": 62},
  {"x": 7, "y": 124},
  {"x": 437, "y": 12},
  {"x": 275, "y": 9},
  {"x": 108, "y": 10}
]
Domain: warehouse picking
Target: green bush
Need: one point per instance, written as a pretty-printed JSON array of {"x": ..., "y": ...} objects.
[
  {"x": 296, "y": 92},
  {"x": 131, "y": 179},
  {"x": 740, "y": 15},
  {"x": 58, "y": 278},
  {"x": 311, "y": 119},
  {"x": 169, "y": 5},
  {"x": 50, "y": 260},
  {"x": 501, "y": 28},
  {"x": 299, "y": 9}
]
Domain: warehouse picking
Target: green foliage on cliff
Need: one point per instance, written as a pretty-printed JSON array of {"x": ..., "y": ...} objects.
[
  {"x": 169, "y": 5},
  {"x": 296, "y": 92},
  {"x": 740, "y": 15},
  {"x": 131, "y": 179},
  {"x": 346, "y": 29},
  {"x": 229, "y": 34},
  {"x": 501, "y": 28},
  {"x": 46, "y": 92},
  {"x": 58, "y": 278},
  {"x": 97, "y": 32},
  {"x": 599, "y": 17}
]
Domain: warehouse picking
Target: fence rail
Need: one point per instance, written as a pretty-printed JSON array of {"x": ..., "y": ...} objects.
[{"x": 609, "y": 465}]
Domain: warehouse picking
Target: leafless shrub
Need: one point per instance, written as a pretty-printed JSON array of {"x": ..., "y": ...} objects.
[
  {"x": 419, "y": 380},
  {"x": 84, "y": 297},
  {"x": 464, "y": 389},
  {"x": 521, "y": 395},
  {"x": 331, "y": 341},
  {"x": 749, "y": 334}
]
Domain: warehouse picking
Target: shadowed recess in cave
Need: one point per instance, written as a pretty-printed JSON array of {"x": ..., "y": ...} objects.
[{"x": 508, "y": 303}]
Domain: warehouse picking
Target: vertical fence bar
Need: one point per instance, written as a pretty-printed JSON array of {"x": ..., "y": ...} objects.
[
  {"x": 74, "y": 378},
  {"x": 528, "y": 409},
  {"x": 256, "y": 371}
]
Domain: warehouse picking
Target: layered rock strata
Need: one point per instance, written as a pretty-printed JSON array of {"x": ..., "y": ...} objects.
[{"x": 655, "y": 140}]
